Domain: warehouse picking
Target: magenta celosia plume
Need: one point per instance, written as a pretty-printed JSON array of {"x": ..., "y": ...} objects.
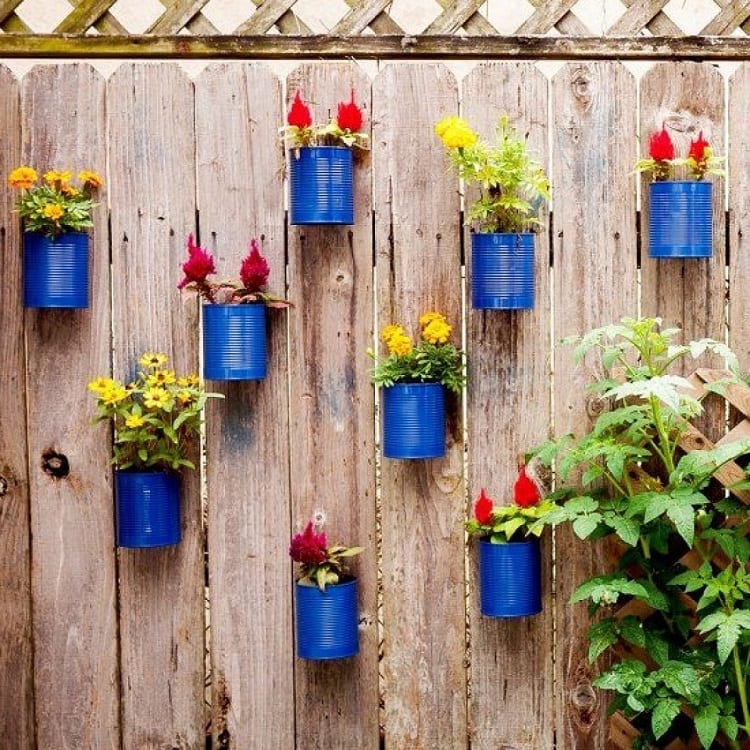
[
  {"x": 308, "y": 547},
  {"x": 198, "y": 266},
  {"x": 254, "y": 269}
]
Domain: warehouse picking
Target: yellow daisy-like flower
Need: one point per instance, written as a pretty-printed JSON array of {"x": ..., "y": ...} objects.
[
  {"x": 153, "y": 359},
  {"x": 53, "y": 211},
  {"x": 92, "y": 179},
  {"x": 157, "y": 398},
  {"x": 53, "y": 176},
  {"x": 184, "y": 396},
  {"x": 184, "y": 382},
  {"x": 134, "y": 421},
  {"x": 437, "y": 331},
  {"x": 114, "y": 394},
  {"x": 455, "y": 132},
  {"x": 23, "y": 177},
  {"x": 100, "y": 385},
  {"x": 161, "y": 377}
]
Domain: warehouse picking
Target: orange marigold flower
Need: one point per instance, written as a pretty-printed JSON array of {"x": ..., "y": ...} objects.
[
  {"x": 23, "y": 177},
  {"x": 92, "y": 179},
  {"x": 69, "y": 190},
  {"x": 53, "y": 176}
]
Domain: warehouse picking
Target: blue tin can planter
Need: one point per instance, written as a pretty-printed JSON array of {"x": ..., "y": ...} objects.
[
  {"x": 321, "y": 189},
  {"x": 510, "y": 579},
  {"x": 414, "y": 420},
  {"x": 147, "y": 508},
  {"x": 326, "y": 621},
  {"x": 234, "y": 341},
  {"x": 680, "y": 222},
  {"x": 502, "y": 271},
  {"x": 56, "y": 271}
]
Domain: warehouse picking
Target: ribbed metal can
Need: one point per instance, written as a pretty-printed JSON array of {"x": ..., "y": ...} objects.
[
  {"x": 502, "y": 271},
  {"x": 234, "y": 341},
  {"x": 510, "y": 579},
  {"x": 56, "y": 271},
  {"x": 147, "y": 508},
  {"x": 413, "y": 420},
  {"x": 327, "y": 621},
  {"x": 321, "y": 189},
  {"x": 680, "y": 221}
]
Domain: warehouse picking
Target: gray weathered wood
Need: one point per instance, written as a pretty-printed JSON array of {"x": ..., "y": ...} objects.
[
  {"x": 73, "y": 561},
  {"x": 508, "y": 413},
  {"x": 16, "y": 676},
  {"x": 240, "y": 196},
  {"x": 594, "y": 131},
  {"x": 332, "y": 444},
  {"x": 152, "y": 190},
  {"x": 417, "y": 236}
]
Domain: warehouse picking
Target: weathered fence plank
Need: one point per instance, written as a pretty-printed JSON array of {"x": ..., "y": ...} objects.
[
  {"x": 508, "y": 413},
  {"x": 240, "y": 196},
  {"x": 150, "y": 112},
  {"x": 417, "y": 237},
  {"x": 73, "y": 570},
  {"x": 331, "y": 428},
  {"x": 594, "y": 130},
  {"x": 738, "y": 165},
  {"x": 16, "y": 675}
]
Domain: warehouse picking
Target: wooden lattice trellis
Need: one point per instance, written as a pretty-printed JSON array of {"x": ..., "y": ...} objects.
[{"x": 737, "y": 395}]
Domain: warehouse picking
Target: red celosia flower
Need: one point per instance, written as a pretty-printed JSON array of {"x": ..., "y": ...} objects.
[
  {"x": 308, "y": 547},
  {"x": 483, "y": 509},
  {"x": 198, "y": 266},
  {"x": 698, "y": 148},
  {"x": 349, "y": 116},
  {"x": 660, "y": 146},
  {"x": 254, "y": 269},
  {"x": 525, "y": 490},
  {"x": 299, "y": 113}
]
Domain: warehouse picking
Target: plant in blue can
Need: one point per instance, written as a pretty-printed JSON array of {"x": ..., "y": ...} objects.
[{"x": 325, "y": 596}]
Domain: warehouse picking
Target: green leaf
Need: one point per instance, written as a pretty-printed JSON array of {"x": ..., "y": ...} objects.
[
  {"x": 683, "y": 518},
  {"x": 627, "y": 529},
  {"x": 706, "y": 724},
  {"x": 583, "y": 526},
  {"x": 663, "y": 715},
  {"x": 728, "y": 633},
  {"x": 631, "y": 629},
  {"x": 601, "y": 635}
]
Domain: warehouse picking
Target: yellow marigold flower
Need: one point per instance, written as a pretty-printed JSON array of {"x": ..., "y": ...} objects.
[
  {"x": 23, "y": 177},
  {"x": 455, "y": 132},
  {"x": 153, "y": 359},
  {"x": 92, "y": 179},
  {"x": 69, "y": 190},
  {"x": 134, "y": 421},
  {"x": 390, "y": 331},
  {"x": 114, "y": 394},
  {"x": 161, "y": 377},
  {"x": 157, "y": 398},
  {"x": 53, "y": 211},
  {"x": 400, "y": 345},
  {"x": 436, "y": 332},
  {"x": 185, "y": 396},
  {"x": 54, "y": 176},
  {"x": 99, "y": 385},
  {"x": 428, "y": 317}
]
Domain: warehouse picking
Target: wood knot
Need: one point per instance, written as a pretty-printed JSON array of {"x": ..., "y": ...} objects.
[
  {"x": 584, "y": 700},
  {"x": 581, "y": 86},
  {"x": 3, "y": 486},
  {"x": 55, "y": 464},
  {"x": 596, "y": 405}
]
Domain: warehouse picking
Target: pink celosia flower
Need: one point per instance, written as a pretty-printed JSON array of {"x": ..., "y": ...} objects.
[
  {"x": 483, "y": 509},
  {"x": 525, "y": 490},
  {"x": 299, "y": 113},
  {"x": 254, "y": 269},
  {"x": 349, "y": 116},
  {"x": 660, "y": 146},
  {"x": 198, "y": 266},
  {"x": 308, "y": 547}
]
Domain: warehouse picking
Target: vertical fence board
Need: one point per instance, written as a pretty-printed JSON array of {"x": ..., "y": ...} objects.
[
  {"x": 16, "y": 677},
  {"x": 240, "y": 195},
  {"x": 332, "y": 444},
  {"x": 417, "y": 239},
  {"x": 152, "y": 174},
  {"x": 73, "y": 570},
  {"x": 739, "y": 212},
  {"x": 594, "y": 284},
  {"x": 509, "y": 412}
]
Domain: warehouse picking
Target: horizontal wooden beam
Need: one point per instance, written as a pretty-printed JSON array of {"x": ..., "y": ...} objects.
[{"x": 373, "y": 47}]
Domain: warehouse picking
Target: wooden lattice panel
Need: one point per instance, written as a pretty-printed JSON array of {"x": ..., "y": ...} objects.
[{"x": 737, "y": 395}]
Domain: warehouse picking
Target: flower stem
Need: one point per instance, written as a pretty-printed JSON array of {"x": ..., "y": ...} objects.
[{"x": 741, "y": 688}]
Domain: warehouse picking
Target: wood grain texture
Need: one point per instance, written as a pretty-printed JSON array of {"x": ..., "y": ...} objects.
[
  {"x": 508, "y": 413},
  {"x": 16, "y": 668},
  {"x": 73, "y": 571},
  {"x": 150, "y": 112},
  {"x": 738, "y": 167},
  {"x": 417, "y": 236},
  {"x": 332, "y": 412},
  {"x": 240, "y": 196},
  {"x": 594, "y": 284}
]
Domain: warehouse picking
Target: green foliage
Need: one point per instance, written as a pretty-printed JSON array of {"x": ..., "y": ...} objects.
[
  {"x": 513, "y": 522},
  {"x": 626, "y": 478}
]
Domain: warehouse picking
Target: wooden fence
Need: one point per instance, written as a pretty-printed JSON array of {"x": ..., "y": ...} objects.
[{"x": 101, "y": 648}]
